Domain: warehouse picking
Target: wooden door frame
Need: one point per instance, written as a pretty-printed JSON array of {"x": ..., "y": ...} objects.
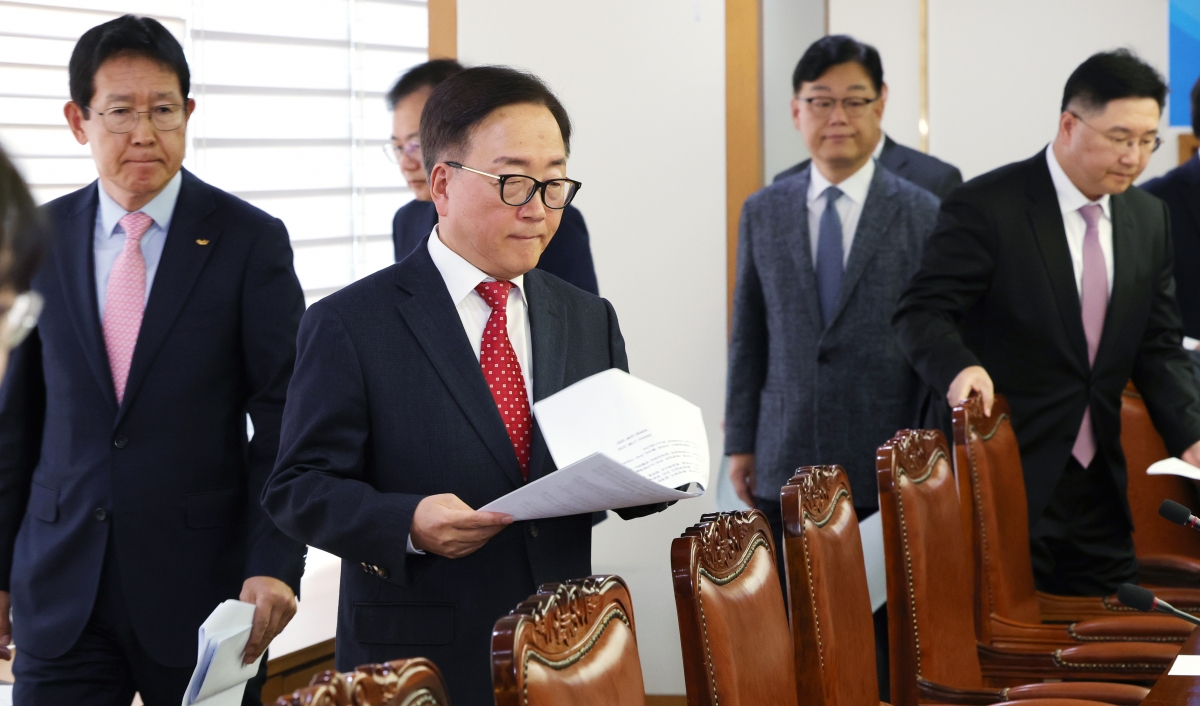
[
  {"x": 443, "y": 29},
  {"x": 743, "y": 123}
]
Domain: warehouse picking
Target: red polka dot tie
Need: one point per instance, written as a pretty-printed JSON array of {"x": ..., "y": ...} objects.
[
  {"x": 125, "y": 300},
  {"x": 502, "y": 371}
]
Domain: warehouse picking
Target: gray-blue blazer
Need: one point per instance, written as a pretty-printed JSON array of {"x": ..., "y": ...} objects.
[{"x": 798, "y": 394}]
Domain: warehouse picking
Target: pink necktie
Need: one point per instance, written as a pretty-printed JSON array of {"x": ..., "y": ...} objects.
[
  {"x": 125, "y": 300},
  {"x": 502, "y": 371},
  {"x": 1093, "y": 300}
]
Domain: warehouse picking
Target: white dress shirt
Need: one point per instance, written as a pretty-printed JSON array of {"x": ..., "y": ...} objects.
[
  {"x": 849, "y": 205},
  {"x": 109, "y": 237},
  {"x": 1070, "y": 200}
]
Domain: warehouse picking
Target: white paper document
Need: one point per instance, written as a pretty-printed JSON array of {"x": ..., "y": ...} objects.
[
  {"x": 1173, "y": 467},
  {"x": 220, "y": 677},
  {"x": 618, "y": 442},
  {"x": 1186, "y": 666}
]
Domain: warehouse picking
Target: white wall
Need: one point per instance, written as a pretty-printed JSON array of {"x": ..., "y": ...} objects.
[
  {"x": 644, "y": 85},
  {"x": 788, "y": 28}
]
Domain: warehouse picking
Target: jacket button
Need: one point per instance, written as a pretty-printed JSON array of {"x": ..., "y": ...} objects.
[
  {"x": 822, "y": 358},
  {"x": 533, "y": 530},
  {"x": 382, "y": 572},
  {"x": 100, "y": 514},
  {"x": 120, "y": 442}
]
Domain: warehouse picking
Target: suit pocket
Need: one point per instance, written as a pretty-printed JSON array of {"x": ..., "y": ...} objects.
[
  {"x": 43, "y": 503},
  {"x": 403, "y": 623},
  {"x": 214, "y": 509}
]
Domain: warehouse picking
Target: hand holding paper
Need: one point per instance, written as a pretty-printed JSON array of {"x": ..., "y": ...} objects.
[{"x": 220, "y": 677}]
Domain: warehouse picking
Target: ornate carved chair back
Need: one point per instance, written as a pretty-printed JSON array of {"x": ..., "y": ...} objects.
[
  {"x": 930, "y": 619},
  {"x": 737, "y": 650},
  {"x": 827, "y": 591},
  {"x": 992, "y": 491},
  {"x": 402, "y": 682},
  {"x": 571, "y": 643},
  {"x": 329, "y": 688}
]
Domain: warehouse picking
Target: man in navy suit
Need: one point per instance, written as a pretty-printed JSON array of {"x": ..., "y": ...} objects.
[
  {"x": 926, "y": 171},
  {"x": 568, "y": 256},
  {"x": 411, "y": 399},
  {"x": 129, "y": 491},
  {"x": 1180, "y": 188}
]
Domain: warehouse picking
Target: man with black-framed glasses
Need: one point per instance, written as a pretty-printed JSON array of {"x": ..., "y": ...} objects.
[
  {"x": 129, "y": 489},
  {"x": 411, "y": 401},
  {"x": 1050, "y": 280}
]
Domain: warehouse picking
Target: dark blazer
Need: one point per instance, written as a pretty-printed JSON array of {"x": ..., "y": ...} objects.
[
  {"x": 926, "y": 171},
  {"x": 997, "y": 289},
  {"x": 799, "y": 395},
  {"x": 170, "y": 472},
  {"x": 389, "y": 405},
  {"x": 1180, "y": 188},
  {"x": 568, "y": 256}
]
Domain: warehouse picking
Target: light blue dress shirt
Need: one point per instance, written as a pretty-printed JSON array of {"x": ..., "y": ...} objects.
[{"x": 109, "y": 239}]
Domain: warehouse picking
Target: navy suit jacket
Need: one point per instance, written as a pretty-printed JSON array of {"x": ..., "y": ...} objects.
[
  {"x": 389, "y": 405},
  {"x": 926, "y": 171},
  {"x": 568, "y": 256},
  {"x": 169, "y": 473},
  {"x": 1180, "y": 188}
]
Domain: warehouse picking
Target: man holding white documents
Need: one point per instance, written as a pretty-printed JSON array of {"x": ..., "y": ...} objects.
[{"x": 411, "y": 400}]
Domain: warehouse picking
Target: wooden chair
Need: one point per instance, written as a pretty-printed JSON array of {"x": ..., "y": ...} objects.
[
  {"x": 931, "y": 591},
  {"x": 732, "y": 623},
  {"x": 403, "y": 682},
  {"x": 571, "y": 643},
  {"x": 996, "y": 519},
  {"x": 1168, "y": 555}
]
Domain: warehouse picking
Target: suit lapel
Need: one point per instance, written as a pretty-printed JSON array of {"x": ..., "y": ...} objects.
[
  {"x": 1192, "y": 190},
  {"x": 799, "y": 243},
  {"x": 877, "y": 214},
  {"x": 548, "y": 325},
  {"x": 435, "y": 323},
  {"x": 182, "y": 261},
  {"x": 77, "y": 272},
  {"x": 1045, "y": 217},
  {"x": 1125, "y": 272}
]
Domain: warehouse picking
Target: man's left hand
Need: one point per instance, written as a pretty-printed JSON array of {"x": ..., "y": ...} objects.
[
  {"x": 1192, "y": 455},
  {"x": 274, "y": 605}
]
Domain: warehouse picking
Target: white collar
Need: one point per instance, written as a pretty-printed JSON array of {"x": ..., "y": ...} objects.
[
  {"x": 1070, "y": 198},
  {"x": 854, "y": 187},
  {"x": 461, "y": 277},
  {"x": 161, "y": 208},
  {"x": 879, "y": 147}
]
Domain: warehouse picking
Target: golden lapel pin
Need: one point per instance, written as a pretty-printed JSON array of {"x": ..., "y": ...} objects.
[{"x": 201, "y": 242}]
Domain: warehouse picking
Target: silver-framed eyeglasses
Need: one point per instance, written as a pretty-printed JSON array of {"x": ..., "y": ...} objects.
[
  {"x": 21, "y": 319},
  {"x": 855, "y": 106},
  {"x": 1146, "y": 143},
  {"x": 411, "y": 149},
  {"x": 518, "y": 189},
  {"x": 121, "y": 120}
]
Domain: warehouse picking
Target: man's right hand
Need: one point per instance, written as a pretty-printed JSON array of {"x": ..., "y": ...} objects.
[
  {"x": 5, "y": 625},
  {"x": 972, "y": 379},
  {"x": 741, "y": 475},
  {"x": 446, "y": 526}
]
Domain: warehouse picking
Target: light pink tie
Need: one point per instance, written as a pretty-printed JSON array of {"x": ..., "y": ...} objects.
[
  {"x": 1093, "y": 300},
  {"x": 125, "y": 300}
]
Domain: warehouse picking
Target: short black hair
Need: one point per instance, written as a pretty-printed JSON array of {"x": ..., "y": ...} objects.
[
  {"x": 1196, "y": 108},
  {"x": 1110, "y": 76},
  {"x": 430, "y": 74},
  {"x": 465, "y": 99},
  {"x": 128, "y": 34},
  {"x": 23, "y": 236},
  {"x": 833, "y": 50}
]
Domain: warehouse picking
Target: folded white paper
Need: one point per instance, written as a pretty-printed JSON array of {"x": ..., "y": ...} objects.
[
  {"x": 220, "y": 677},
  {"x": 1186, "y": 666},
  {"x": 1173, "y": 467},
  {"x": 618, "y": 442}
]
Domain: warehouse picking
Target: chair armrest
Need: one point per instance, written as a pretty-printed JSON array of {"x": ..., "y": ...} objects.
[
  {"x": 1110, "y": 693},
  {"x": 932, "y": 692},
  {"x": 1175, "y": 570}
]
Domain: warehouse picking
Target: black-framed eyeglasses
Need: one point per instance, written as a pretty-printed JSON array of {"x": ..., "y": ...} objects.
[
  {"x": 410, "y": 149},
  {"x": 20, "y": 320},
  {"x": 855, "y": 106},
  {"x": 1124, "y": 144},
  {"x": 122, "y": 120},
  {"x": 518, "y": 189}
]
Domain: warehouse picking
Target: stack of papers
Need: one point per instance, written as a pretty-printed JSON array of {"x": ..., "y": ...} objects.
[
  {"x": 1173, "y": 467},
  {"x": 220, "y": 677},
  {"x": 618, "y": 442}
]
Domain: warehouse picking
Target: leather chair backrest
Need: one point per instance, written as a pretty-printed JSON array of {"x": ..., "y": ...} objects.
[
  {"x": 828, "y": 597},
  {"x": 402, "y": 682},
  {"x": 328, "y": 688},
  {"x": 571, "y": 643},
  {"x": 930, "y": 589},
  {"x": 992, "y": 492},
  {"x": 737, "y": 650},
  {"x": 1143, "y": 446}
]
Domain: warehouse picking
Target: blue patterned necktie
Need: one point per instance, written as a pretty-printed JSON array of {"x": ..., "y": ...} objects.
[{"x": 829, "y": 256}]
